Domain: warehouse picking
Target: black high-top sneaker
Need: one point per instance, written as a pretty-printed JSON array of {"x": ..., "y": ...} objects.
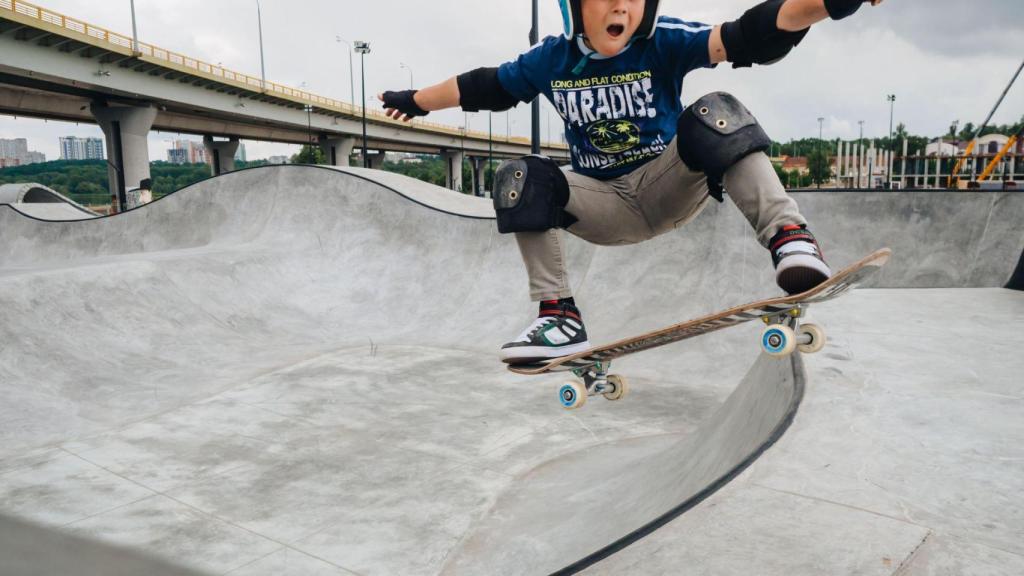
[
  {"x": 557, "y": 332},
  {"x": 799, "y": 264}
]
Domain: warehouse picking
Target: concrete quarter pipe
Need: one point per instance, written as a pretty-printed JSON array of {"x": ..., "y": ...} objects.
[{"x": 296, "y": 367}]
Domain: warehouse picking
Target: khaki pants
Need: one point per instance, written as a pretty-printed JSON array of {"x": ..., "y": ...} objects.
[{"x": 658, "y": 197}]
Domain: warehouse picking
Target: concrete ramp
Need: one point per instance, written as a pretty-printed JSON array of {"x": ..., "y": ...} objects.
[
  {"x": 38, "y": 201},
  {"x": 293, "y": 369},
  {"x": 580, "y": 507}
]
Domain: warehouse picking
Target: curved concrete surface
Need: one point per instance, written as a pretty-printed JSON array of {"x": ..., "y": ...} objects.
[
  {"x": 581, "y": 507},
  {"x": 41, "y": 202},
  {"x": 293, "y": 368}
]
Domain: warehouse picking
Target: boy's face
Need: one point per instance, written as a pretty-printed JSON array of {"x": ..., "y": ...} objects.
[{"x": 609, "y": 24}]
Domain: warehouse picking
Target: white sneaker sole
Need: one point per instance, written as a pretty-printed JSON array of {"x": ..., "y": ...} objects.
[
  {"x": 801, "y": 272},
  {"x": 538, "y": 353}
]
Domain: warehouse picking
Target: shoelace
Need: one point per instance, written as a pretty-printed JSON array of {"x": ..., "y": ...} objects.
[{"x": 535, "y": 328}]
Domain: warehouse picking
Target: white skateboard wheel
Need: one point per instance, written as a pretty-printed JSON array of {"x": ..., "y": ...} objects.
[
  {"x": 621, "y": 387},
  {"x": 572, "y": 395},
  {"x": 778, "y": 340},
  {"x": 817, "y": 336}
]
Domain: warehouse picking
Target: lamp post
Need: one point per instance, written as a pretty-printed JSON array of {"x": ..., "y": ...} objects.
[
  {"x": 406, "y": 66},
  {"x": 891, "y": 98},
  {"x": 263, "y": 68},
  {"x": 821, "y": 124},
  {"x": 547, "y": 116},
  {"x": 309, "y": 128},
  {"x": 490, "y": 148},
  {"x": 351, "y": 74},
  {"x": 135, "y": 33},
  {"x": 860, "y": 144},
  {"x": 363, "y": 48},
  {"x": 535, "y": 112}
]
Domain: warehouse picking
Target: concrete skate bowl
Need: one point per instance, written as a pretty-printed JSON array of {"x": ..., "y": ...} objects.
[
  {"x": 39, "y": 201},
  {"x": 298, "y": 364}
]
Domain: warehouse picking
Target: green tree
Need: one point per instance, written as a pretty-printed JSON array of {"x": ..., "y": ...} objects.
[
  {"x": 309, "y": 155},
  {"x": 967, "y": 132},
  {"x": 819, "y": 166}
]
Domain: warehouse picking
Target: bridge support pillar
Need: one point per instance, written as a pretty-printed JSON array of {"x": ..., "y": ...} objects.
[
  {"x": 376, "y": 160},
  {"x": 126, "y": 129},
  {"x": 220, "y": 155},
  {"x": 337, "y": 151},
  {"x": 478, "y": 164},
  {"x": 453, "y": 169}
]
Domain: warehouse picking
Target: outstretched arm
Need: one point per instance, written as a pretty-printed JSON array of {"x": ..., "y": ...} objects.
[
  {"x": 436, "y": 97},
  {"x": 768, "y": 31},
  {"x": 475, "y": 90}
]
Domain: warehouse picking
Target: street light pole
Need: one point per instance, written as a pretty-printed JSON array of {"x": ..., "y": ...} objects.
[
  {"x": 363, "y": 48},
  {"x": 490, "y": 148},
  {"x": 404, "y": 65},
  {"x": 351, "y": 74},
  {"x": 892, "y": 147},
  {"x": 309, "y": 131},
  {"x": 821, "y": 123},
  {"x": 860, "y": 144},
  {"x": 535, "y": 112},
  {"x": 263, "y": 68},
  {"x": 135, "y": 33}
]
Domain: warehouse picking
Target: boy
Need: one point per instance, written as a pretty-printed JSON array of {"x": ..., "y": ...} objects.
[{"x": 641, "y": 164}]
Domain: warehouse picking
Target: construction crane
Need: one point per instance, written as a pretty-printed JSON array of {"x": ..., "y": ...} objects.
[
  {"x": 954, "y": 176},
  {"x": 1002, "y": 153}
]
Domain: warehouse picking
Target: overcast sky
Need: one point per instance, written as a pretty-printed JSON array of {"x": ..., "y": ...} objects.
[{"x": 944, "y": 59}]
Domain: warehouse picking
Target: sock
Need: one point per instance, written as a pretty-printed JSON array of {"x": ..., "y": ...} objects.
[
  {"x": 788, "y": 234},
  {"x": 560, "y": 307}
]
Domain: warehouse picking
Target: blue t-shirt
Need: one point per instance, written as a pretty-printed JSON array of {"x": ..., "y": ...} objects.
[{"x": 619, "y": 112}]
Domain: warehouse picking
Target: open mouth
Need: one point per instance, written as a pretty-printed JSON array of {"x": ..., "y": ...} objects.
[{"x": 616, "y": 30}]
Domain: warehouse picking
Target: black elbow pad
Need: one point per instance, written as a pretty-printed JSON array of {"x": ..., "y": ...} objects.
[
  {"x": 756, "y": 39},
  {"x": 839, "y": 9},
  {"x": 480, "y": 89}
]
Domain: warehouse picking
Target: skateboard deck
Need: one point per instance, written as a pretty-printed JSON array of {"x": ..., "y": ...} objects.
[{"x": 782, "y": 335}]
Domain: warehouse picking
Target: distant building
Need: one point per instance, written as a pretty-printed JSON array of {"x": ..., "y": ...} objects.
[
  {"x": 186, "y": 152},
  {"x": 15, "y": 152},
  {"x": 75, "y": 148},
  {"x": 406, "y": 158},
  {"x": 13, "y": 148},
  {"x": 991, "y": 144},
  {"x": 798, "y": 163},
  {"x": 240, "y": 153},
  {"x": 941, "y": 148},
  {"x": 277, "y": 160}
]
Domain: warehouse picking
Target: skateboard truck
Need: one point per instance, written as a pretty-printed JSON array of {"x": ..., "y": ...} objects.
[
  {"x": 595, "y": 381},
  {"x": 783, "y": 333}
]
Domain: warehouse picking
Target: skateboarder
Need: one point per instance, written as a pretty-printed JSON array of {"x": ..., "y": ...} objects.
[{"x": 642, "y": 165}]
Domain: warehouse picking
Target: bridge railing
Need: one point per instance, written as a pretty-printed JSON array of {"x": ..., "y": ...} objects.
[{"x": 57, "y": 23}]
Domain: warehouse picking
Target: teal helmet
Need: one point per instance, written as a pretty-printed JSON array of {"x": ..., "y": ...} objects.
[{"x": 572, "y": 18}]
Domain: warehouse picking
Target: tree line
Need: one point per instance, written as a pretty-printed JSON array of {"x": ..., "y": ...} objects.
[{"x": 85, "y": 181}]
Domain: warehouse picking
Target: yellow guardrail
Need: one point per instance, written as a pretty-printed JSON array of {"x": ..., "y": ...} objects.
[{"x": 56, "y": 23}]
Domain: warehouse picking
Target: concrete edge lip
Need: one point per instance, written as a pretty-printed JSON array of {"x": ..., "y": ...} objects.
[
  {"x": 581, "y": 505},
  {"x": 799, "y": 387}
]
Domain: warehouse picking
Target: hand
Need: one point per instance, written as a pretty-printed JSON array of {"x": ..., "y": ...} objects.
[{"x": 401, "y": 105}]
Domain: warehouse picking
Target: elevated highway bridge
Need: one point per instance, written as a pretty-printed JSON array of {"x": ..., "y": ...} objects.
[{"x": 62, "y": 68}]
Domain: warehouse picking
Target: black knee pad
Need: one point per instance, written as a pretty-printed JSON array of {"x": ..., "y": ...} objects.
[
  {"x": 530, "y": 195},
  {"x": 714, "y": 134}
]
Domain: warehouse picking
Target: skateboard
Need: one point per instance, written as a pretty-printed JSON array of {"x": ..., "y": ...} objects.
[{"x": 784, "y": 333}]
